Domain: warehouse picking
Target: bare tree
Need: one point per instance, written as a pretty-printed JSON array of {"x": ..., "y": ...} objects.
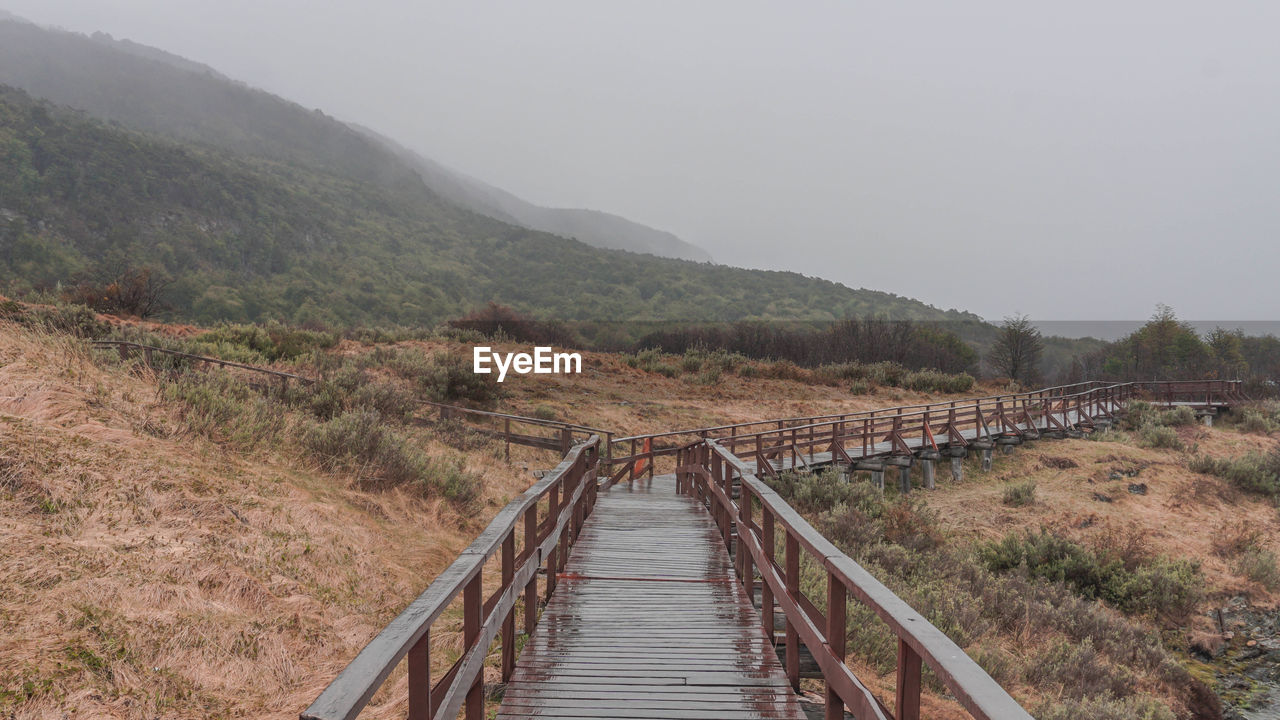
[{"x": 1017, "y": 349}]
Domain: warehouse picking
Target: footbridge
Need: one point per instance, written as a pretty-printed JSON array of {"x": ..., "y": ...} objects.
[{"x": 658, "y": 576}]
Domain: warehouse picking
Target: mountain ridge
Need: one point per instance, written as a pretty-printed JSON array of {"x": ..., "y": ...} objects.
[{"x": 157, "y": 91}]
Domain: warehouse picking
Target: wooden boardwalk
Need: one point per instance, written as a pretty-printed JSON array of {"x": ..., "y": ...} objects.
[
  {"x": 648, "y": 621},
  {"x": 885, "y": 449}
]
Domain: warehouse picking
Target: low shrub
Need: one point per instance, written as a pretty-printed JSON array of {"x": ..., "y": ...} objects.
[
  {"x": 1078, "y": 669},
  {"x": 226, "y": 409},
  {"x": 1019, "y": 494},
  {"x": 1254, "y": 421},
  {"x": 1237, "y": 539},
  {"x": 818, "y": 492},
  {"x": 545, "y": 412},
  {"x": 1152, "y": 435},
  {"x": 1161, "y": 586},
  {"x": 76, "y": 320},
  {"x": 934, "y": 381},
  {"x": 709, "y": 376},
  {"x": 785, "y": 370},
  {"x": 449, "y": 378},
  {"x": 381, "y": 457},
  {"x": 1253, "y": 472},
  {"x": 1105, "y": 707},
  {"x": 1259, "y": 565}
]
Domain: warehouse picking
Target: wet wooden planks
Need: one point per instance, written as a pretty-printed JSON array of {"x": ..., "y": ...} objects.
[{"x": 649, "y": 622}]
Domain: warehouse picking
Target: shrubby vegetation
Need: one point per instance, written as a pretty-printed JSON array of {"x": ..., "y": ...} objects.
[
  {"x": 863, "y": 341},
  {"x": 353, "y": 419},
  {"x": 708, "y": 366},
  {"x": 1253, "y": 472},
  {"x": 1134, "y": 583},
  {"x": 1155, "y": 427},
  {"x": 1044, "y": 590}
]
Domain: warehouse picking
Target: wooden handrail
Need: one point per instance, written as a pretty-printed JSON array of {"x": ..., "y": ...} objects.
[
  {"x": 990, "y": 417},
  {"x": 520, "y": 418},
  {"x": 1056, "y": 391},
  {"x": 125, "y": 345},
  {"x": 710, "y": 476},
  {"x": 571, "y": 492}
]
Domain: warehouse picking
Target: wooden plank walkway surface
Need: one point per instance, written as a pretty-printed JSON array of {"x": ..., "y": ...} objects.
[{"x": 648, "y": 621}]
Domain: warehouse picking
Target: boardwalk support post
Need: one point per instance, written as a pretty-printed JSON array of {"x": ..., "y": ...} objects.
[
  {"x": 927, "y": 463},
  {"x": 903, "y": 463},
  {"x": 957, "y": 464}
]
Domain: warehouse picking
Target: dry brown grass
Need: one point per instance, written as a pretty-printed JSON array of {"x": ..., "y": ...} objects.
[
  {"x": 1183, "y": 514},
  {"x": 612, "y": 395},
  {"x": 149, "y": 573}
]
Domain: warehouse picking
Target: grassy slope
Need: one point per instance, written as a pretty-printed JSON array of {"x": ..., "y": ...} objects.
[{"x": 148, "y": 572}]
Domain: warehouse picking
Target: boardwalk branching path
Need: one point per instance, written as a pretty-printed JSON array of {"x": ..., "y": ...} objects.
[
  {"x": 649, "y": 622},
  {"x": 649, "y": 581}
]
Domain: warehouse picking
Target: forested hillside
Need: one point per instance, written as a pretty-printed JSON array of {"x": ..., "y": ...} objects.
[
  {"x": 250, "y": 238},
  {"x": 152, "y": 90}
]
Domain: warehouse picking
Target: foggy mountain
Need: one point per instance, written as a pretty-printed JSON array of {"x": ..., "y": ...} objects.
[{"x": 153, "y": 90}]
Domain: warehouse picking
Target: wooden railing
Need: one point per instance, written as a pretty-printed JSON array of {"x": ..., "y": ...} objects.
[
  {"x": 1198, "y": 393},
  {"x": 520, "y": 430},
  {"x": 905, "y": 430},
  {"x": 714, "y": 475},
  {"x": 148, "y": 352},
  {"x": 526, "y": 543}
]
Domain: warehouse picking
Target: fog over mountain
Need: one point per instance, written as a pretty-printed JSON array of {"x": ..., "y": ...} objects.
[{"x": 1080, "y": 162}]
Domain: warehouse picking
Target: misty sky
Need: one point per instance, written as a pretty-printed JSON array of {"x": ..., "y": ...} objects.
[{"x": 1077, "y": 161}]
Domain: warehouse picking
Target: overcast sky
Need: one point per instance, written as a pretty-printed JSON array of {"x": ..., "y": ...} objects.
[{"x": 1082, "y": 160}]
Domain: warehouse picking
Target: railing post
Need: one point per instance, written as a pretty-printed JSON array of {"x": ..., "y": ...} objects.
[
  {"x": 420, "y": 679},
  {"x": 793, "y": 591},
  {"x": 835, "y": 638},
  {"x": 553, "y": 511},
  {"x": 506, "y": 435},
  {"x": 472, "y": 619},
  {"x": 509, "y": 623},
  {"x": 908, "y": 707},
  {"x": 766, "y": 590},
  {"x": 531, "y": 590},
  {"x": 744, "y": 528}
]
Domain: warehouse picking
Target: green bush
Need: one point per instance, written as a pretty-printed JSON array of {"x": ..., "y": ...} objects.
[
  {"x": 1178, "y": 417},
  {"x": 272, "y": 341},
  {"x": 709, "y": 376},
  {"x": 1019, "y": 494},
  {"x": 1255, "y": 422},
  {"x": 860, "y": 387},
  {"x": 1159, "y": 586},
  {"x": 934, "y": 381},
  {"x": 1152, "y": 435},
  {"x": 226, "y": 409},
  {"x": 75, "y": 320},
  {"x": 666, "y": 369},
  {"x": 448, "y": 378},
  {"x": 1253, "y": 472},
  {"x": 1077, "y": 668},
  {"x": 1260, "y": 566},
  {"x": 381, "y": 457}
]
